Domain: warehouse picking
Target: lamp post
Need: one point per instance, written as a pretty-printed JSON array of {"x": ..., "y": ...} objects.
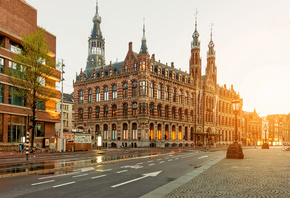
[
  {"x": 235, "y": 150},
  {"x": 265, "y": 145}
]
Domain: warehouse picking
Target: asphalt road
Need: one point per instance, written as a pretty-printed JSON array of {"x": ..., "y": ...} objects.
[{"x": 125, "y": 178}]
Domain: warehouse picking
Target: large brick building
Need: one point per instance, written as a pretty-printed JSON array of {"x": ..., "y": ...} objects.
[
  {"x": 19, "y": 18},
  {"x": 143, "y": 102}
]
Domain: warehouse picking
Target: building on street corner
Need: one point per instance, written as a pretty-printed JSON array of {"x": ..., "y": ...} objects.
[
  {"x": 18, "y": 18},
  {"x": 142, "y": 102}
]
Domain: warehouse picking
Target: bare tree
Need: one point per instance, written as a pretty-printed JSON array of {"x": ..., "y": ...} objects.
[{"x": 30, "y": 72}]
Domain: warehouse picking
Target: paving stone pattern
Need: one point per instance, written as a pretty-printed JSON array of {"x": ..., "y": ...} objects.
[{"x": 263, "y": 173}]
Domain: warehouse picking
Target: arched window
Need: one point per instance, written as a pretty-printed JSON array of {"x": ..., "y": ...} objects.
[
  {"x": 185, "y": 133},
  {"x": 134, "y": 131},
  {"x": 134, "y": 89},
  {"x": 97, "y": 112},
  {"x": 159, "y": 91},
  {"x": 173, "y": 95},
  {"x": 81, "y": 97},
  {"x": 186, "y": 115},
  {"x": 135, "y": 66},
  {"x": 173, "y": 112},
  {"x": 159, "y": 132},
  {"x": 125, "y": 109},
  {"x": 151, "y": 132},
  {"x": 114, "y": 111},
  {"x": 106, "y": 93},
  {"x": 81, "y": 114},
  {"x": 166, "y": 111},
  {"x": 90, "y": 111},
  {"x": 106, "y": 109},
  {"x": 180, "y": 114},
  {"x": 105, "y": 134},
  {"x": 125, "y": 131},
  {"x": 125, "y": 90},
  {"x": 114, "y": 92},
  {"x": 134, "y": 109},
  {"x": 166, "y": 136},
  {"x": 151, "y": 90},
  {"x": 97, "y": 130},
  {"x": 173, "y": 133},
  {"x": 114, "y": 132},
  {"x": 143, "y": 87},
  {"x": 90, "y": 95},
  {"x": 191, "y": 99},
  {"x": 159, "y": 110},
  {"x": 185, "y": 98},
  {"x": 166, "y": 93},
  {"x": 151, "y": 109},
  {"x": 98, "y": 95},
  {"x": 180, "y": 133},
  {"x": 180, "y": 97}
]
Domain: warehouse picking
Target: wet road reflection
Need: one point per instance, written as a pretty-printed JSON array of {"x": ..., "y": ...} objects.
[{"x": 76, "y": 161}]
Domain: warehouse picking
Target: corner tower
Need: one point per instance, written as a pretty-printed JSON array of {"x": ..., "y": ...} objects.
[
  {"x": 96, "y": 45},
  {"x": 195, "y": 60},
  {"x": 143, "y": 56},
  {"x": 211, "y": 69}
]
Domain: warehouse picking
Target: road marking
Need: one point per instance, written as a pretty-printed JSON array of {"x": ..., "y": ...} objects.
[
  {"x": 64, "y": 184},
  {"x": 150, "y": 161},
  {"x": 177, "y": 158},
  {"x": 105, "y": 170},
  {"x": 170, "y": 160},
  {"x": 87, "y": 169},
  {"x": 137, "y": 166},
  {"x": 122, "y": 171},
  {"x": 154, "y": 174},
  {"x": 158, "y": 159},
  {"x": 140, "y": 163},
  {"x": 151, "y": 164},
  {"x": 80, "y": 175},
  {"x": 59, "y": 175},
  {"x": 202, "y": 157},
  {"x": 42, "y": 182},
  {"x": 161, "y": 162},
  {"x": 98, "y": 176}
]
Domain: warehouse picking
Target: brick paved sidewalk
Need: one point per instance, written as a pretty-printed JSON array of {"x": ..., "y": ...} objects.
[{"x": 263, "y": 173}]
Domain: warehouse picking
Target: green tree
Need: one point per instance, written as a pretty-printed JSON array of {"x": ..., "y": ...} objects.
[{"x": 30, "y": 72}]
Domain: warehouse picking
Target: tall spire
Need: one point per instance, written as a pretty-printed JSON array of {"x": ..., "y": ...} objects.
[
  {"x": 96, "y": 43},
  {"x": 195, "y": 43},
  {"x": 143, "y": 49},
  {"x": 96, "y": 32},
  {"x": 211, "y": 51}
]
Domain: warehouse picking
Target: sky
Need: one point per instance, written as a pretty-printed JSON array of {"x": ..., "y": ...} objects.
[{"x": 252, "y": 40}]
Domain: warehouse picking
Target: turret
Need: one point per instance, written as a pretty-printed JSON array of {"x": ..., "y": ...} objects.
[{"x": 211, "y": 67}]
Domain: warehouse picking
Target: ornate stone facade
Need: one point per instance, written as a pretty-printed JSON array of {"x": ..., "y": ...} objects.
[{"x": 141, "y": 102}]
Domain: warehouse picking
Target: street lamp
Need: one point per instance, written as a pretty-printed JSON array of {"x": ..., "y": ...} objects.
[
  {"x": 235, "y": 150},
  {"x": 265, "y": 145}
]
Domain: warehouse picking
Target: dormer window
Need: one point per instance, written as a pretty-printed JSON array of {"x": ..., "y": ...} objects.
[
  {"x": 135, "y": 66},
  {"x": 125, "y": 68},
  {"x": 173, "y": 76},
  {"x": 152, "y": 68},
  {"x": 179, "y": 78},
  {"x": 110, "y": 72},
  {"x": 166, "y": 73},
  {"x": 159, "y": 71},
  {"x": 102, "y": 74}
]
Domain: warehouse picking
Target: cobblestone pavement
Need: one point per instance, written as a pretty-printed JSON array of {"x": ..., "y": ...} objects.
[{"x": 263, "y": 173}]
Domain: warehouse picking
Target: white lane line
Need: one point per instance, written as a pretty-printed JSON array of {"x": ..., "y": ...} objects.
[
  {"x": 105, "y": 170},
  {"x": 150, "y": 161},
  {"x": 98, "y": 176},
  {"x": 140, "y": 163},
  {"x": 64, "y": 184},
  {"x": 122, "y": 171},
  {"x": 202, "y": 157},
  {"x": 161, "y": 162},
  {"x": 59, "y": 175},
  {"x": 177, "y": 158},
  {"x": 151, "y": 164},
  {"x": 79, "y": 175},
  {"x": 170, "y": 160},
  {"x": 42, "y": 182},
  {"x": 158, "y": 159}
]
